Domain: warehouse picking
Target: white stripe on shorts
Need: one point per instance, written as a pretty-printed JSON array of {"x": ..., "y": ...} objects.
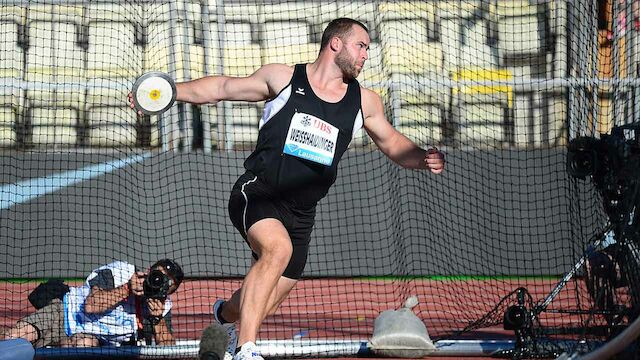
[{"x": 246, "y": 204}]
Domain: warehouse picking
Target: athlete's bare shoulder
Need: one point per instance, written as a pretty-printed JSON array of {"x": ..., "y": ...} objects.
[
  {"x": 370, "y": 100},
  {"x": 366, "y": 92},
  {"x": 277, "y": 76}
]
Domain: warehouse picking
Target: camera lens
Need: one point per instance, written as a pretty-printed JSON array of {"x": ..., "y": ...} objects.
[
  {"x": 156, "y": 285},
  {"x": 582, "y": 164},
  {"x": 156, "y": 278},
  {"x": 515, "y": 318},
  {"x": 582, "y": 157}
]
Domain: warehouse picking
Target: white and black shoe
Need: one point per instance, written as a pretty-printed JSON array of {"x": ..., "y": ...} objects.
[{"x": 248, "y": 351}]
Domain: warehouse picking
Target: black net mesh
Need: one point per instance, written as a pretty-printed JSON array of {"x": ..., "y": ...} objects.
[{"x": 501, "y": 87}]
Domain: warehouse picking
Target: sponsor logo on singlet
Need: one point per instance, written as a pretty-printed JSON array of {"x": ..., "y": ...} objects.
[{"x": 311, "y": 138}]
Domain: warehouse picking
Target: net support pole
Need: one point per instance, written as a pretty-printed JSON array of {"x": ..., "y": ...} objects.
[
  {"x": 222, "y": 107},
  {"x": 206, "y": 40},
  {"x": 595, "y": 65},
  {"x": 173, "y": 113},
  {"x": 615, "y": 61},
  {"x": 187, "y": 119}
]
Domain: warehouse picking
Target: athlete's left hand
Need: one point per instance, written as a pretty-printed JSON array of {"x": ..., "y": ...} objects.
[{"x": 434, "y": 159}]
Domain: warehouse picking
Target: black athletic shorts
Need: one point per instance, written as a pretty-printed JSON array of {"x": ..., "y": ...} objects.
[{"x": 252, "y": 200}]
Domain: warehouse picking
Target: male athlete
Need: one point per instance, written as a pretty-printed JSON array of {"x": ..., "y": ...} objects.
[{"x": 311, "y": 114}]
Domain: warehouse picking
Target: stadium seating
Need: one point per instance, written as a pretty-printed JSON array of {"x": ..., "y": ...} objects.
[
  {"x": 394, "y": 31},
  {"x": 419, "y": 107},
  {"x": 8, "y": 119},
  {"x": 160, "y": 54},
  {"x": 418, "y": 58},
  {"x": 241, "y": 130},
  {"x": 54, "y": 53},
  {"x": 40, "y": 11},
  {"x": 465, "y": 45},
  {"x": 241, "y": 60},
  {"x": 8, "y": 134},
  {"x": 421, "y": 123},
  {"x": 111, "y": 127},
  {"x": 112, "y": 51},
  {"x": 13, "y": 13},
  {"x": 212, "y": 123},
  {"x": 363, "y": 11},
  {"x": 53, "y": 127},
  {"x": 110, "y": 121},
  {"x": 238, "y": 12},
  {"x": 291, "y": 54},
  {"x": 11, "y": 53},
  {"x": 482, "y": 113},
  {"x": 236, "y": 34},
  {"x": 278, "y": 33},
  {"x": 101, "y": 42},
  {"x": 462, "y": 29},
  {"x": 415, "y": 16},
  {"x": 115, "y": 12},
  {"x": 54, "y": 115},
  {"x": 518, "y": 28}
]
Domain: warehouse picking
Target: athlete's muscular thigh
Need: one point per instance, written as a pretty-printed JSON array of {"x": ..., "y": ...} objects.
[{"x": 268, "y": 237}]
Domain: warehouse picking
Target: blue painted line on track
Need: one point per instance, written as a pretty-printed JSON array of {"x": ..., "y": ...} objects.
[{"x": 23, "y": 191}]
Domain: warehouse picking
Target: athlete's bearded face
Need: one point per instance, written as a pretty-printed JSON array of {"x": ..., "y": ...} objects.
[
  {"x": 347, "y": 64},
  {"x": 351, "y": 57}
]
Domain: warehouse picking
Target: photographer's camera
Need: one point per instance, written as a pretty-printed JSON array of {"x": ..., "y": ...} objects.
[{"x": 156, "y": 285}]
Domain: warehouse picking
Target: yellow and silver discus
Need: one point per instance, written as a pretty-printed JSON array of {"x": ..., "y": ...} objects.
[{"x": 154, "y": 93}]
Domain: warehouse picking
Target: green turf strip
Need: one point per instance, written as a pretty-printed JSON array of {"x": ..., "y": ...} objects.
[{"x": 363, "y": 278}]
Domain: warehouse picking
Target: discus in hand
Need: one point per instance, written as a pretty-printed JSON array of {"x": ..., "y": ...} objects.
[{"x": 154, "y": 92}]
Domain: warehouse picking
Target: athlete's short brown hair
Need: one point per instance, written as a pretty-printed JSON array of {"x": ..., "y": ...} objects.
[{"x": 340, "y": 27}]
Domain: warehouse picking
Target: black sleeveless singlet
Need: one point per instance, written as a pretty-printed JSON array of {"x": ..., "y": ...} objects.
[{"x": 302, "y": 138}]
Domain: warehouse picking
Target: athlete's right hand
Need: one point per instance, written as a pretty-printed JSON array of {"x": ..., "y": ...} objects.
[
  {"x": 132, "y": 104},
  {"x": 434, "y": 160}
]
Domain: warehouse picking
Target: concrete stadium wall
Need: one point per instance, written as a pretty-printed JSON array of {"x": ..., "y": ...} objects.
[{"x": 490, "y": 213}]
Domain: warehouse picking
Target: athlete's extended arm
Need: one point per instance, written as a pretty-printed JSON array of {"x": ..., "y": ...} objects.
[
  {"x": 261, "y": 85},
  {"x": 394, "y": 144}
]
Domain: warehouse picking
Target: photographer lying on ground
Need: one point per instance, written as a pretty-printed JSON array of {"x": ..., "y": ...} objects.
[{"x": 116, "y": 305}]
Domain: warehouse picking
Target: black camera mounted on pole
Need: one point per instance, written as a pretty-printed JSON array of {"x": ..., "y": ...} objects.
[
  {"x": 612, "y": 257},
  {"x": 613, "y": 163}
]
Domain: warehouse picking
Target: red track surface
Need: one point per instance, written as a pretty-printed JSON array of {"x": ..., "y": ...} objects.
[{"x": 342, "y": 308}]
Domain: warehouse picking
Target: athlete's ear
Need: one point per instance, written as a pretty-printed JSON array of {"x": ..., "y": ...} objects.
[{"x": 335, "y": 43}]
